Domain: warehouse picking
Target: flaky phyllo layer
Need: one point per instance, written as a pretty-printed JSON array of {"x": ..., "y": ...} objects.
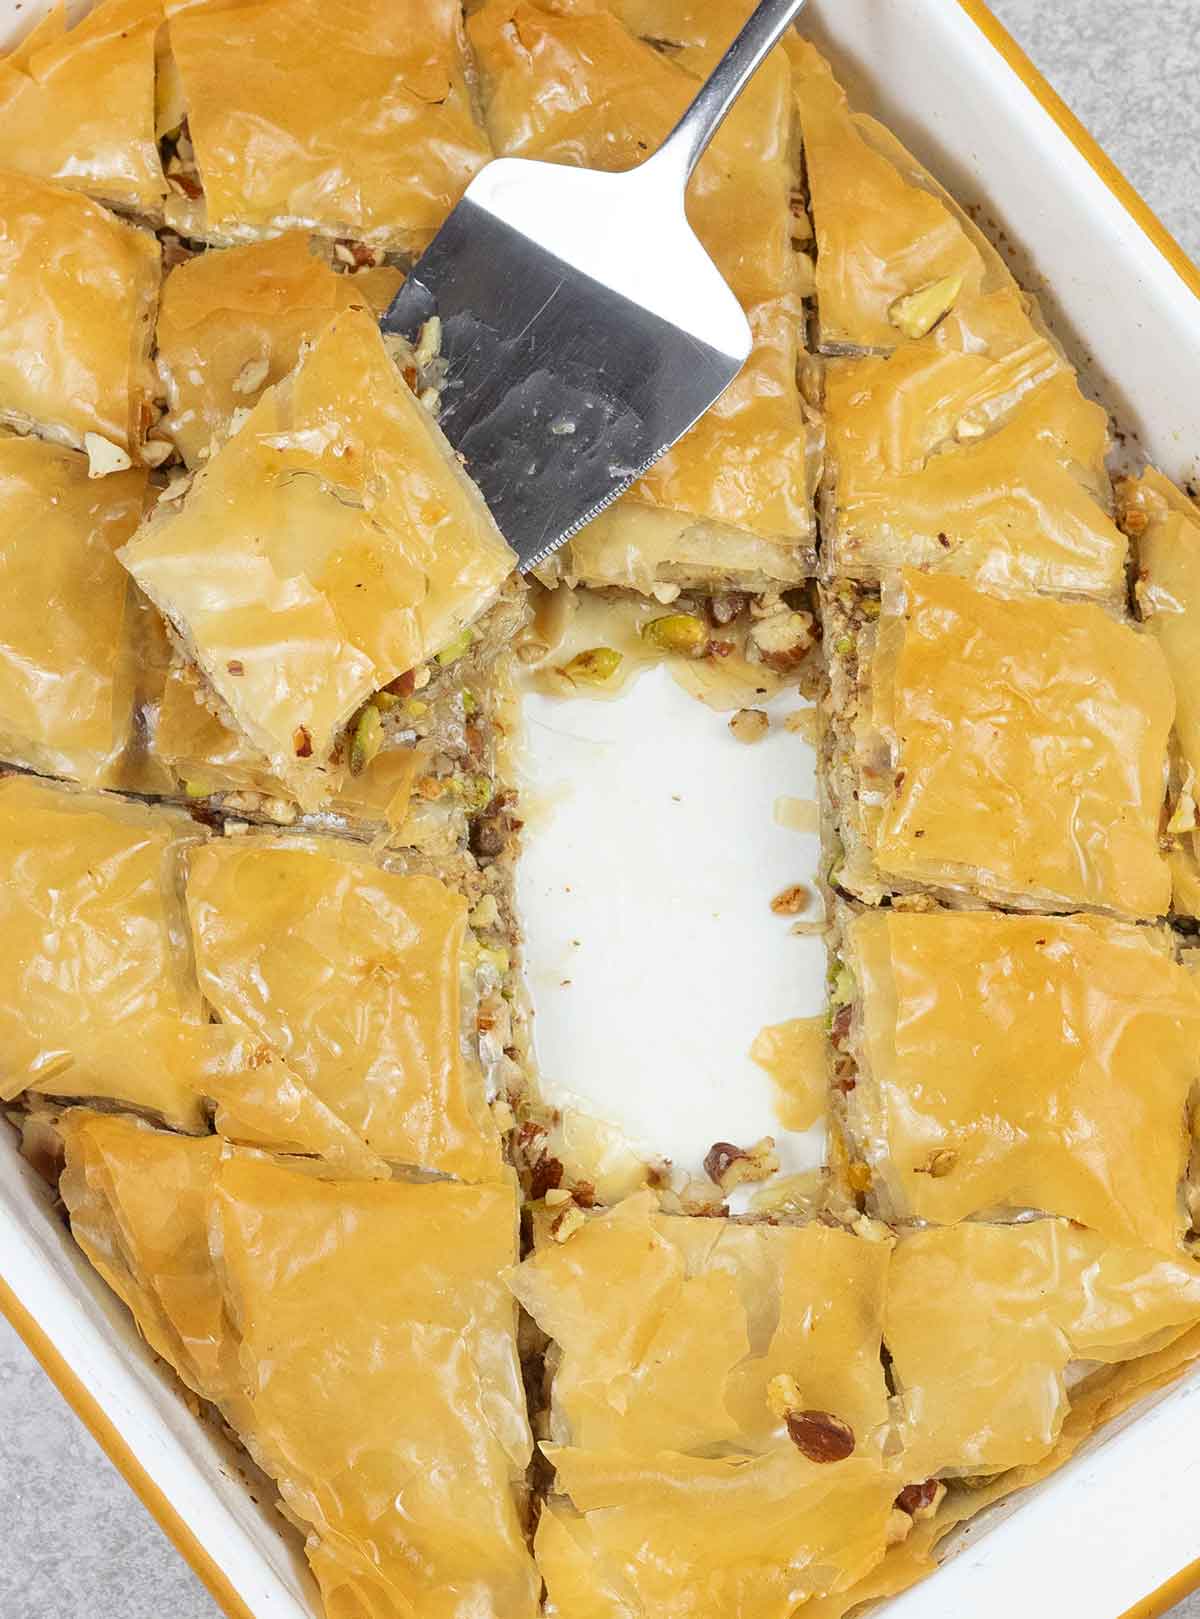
[{"x": 261, "y": 1010}]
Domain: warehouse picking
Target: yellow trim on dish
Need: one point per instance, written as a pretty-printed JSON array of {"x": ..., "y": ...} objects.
[
  {"x": 102, "y": 1430},
  {"x": 67, "y": 1382},
  {"x": 1084, "y": 143}
]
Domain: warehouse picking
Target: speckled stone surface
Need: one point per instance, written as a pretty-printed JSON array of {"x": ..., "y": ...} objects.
[{"x": 75, "y": 1543}]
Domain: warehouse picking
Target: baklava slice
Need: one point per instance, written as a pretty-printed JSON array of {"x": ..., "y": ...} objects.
[
  {"x": 357, "y": 1338},
  {"x": 78, "y": 291},
  {"x": 985, "y": 1326},
  {"x": 718, "y": 1409},
  {"x": 99, "y": 995},
  {"x": 1165, "y": 527},
  {"x": 731, "y": 505},
  {"x": 970, "y": 451},
  {"x": 333, "y": 544},
  {"x": 994, "y": 1064},
  {"x": 232, "y": 323},
  {"x": 995, "y": 749},
  {"x": 351, "y": 122},
  {"x": 66, "y": 635},
  {"x": 78, "y": 106},
  {"x": 355, "y": 976},
  {"x": 894, "y": 254}
]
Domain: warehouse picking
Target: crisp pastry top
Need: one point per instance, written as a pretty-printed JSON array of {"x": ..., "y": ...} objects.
[
  {"x": 378, "y": 1349},
  {"x": 232, "y": 323},
  {"x": 723, "y": 1537},
  {"x": 78, "y": 289},
  {"x": 66, "y": 697},
  {"x": 78, "y": 106},
  {"x": 982, "y": 1320},
  {"x": 331, "y": 544},
  {"x": 1013, "y": 1062},
  {"x": 350, "y": 1332},
  {"x": 1165, "y": 526},
  {"x": 137, "y": 1199},
  {"x": 972, "y": 451},
  {"x": 350, "y": 119},
  {"x": 880, "y": 238},
  {"x": 352, "y": 974},
  {"x": 94, "y": 961},
  {"x": 670, "y": 1329},
  {"x": 1027, "y": 743}
]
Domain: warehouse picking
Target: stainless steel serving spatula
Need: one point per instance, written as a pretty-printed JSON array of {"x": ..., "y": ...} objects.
[{"x": 584, "y": 327}]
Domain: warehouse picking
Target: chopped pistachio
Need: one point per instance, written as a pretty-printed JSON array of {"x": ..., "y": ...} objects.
[
  {"x": 470, "y": 706},
  {"x": 919, "y": 312},
  {"x": 842, "y": 990},
  {"x": 385, "y": 701},
  {"x": 476, "y": 792},
  {"x": 680, "y": 633},
  {"x": 367, "y": 740},
  {"x": 453, "y": 650},
  {"x": 843, "y": 645},
  {"x": 486, "y": 914},
  {"x": 593, "y": 667},
  {"x": 414, "y": 708},
  {"x": 871, "y": 607}
]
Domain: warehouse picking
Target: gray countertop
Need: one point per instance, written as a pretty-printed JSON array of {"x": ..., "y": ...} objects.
[{"x": 76, "y": 1544}]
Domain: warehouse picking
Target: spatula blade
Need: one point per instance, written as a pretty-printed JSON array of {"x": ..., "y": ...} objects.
[{"x": 584, "y": 330}]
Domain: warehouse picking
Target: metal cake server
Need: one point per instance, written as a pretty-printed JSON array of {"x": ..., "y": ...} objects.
[{"x": 584, "y": 327}]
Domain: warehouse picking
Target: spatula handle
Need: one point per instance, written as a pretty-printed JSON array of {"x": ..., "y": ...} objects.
[{"x": 684, "y": 146}]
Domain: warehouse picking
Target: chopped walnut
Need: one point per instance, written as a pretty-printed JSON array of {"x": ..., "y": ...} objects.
[
  {"x": 922, "y": 1500},
  {"x": 568, "y": 1223},
  {"x": 729, "y": 1166},
  {"x": 782, "y": 641}
]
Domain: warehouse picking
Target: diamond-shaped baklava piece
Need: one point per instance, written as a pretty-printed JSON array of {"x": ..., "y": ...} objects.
[
  {"x": 333, "y": 543},
  {"x": 350, "y": 121},
  {"x": 77, "y": 106},
  {"x": 97, "y": 993},
  {"x": 352, "y": 974},
  {"x": 893, "y": 253},
  {"x": 233, "y": 323},
  {"x": 982, "y": 1322},
  {"x": 971, "y": 451},
  {"x": 1002, "y": 1063},
  {"x": 997, "y": 749},
  {"x": 78, "y": 290},
  {"x": 66, "y": 676},
  {"x": 357, "y": 1337}
]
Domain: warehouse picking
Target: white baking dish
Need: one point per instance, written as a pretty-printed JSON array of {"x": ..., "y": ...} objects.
[{"x": 635, "y": 1024}]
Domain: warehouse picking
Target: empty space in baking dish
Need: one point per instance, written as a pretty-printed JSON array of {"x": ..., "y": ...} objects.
[{"x": 652, "y": 852}]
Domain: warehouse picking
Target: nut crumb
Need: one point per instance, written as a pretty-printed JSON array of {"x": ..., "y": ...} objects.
[
  {"x": 729, "y": 1166},
  {"x": 568, "y": 1223},
  {"x": 104, "y": 456},
  {"x": 791, "y": 901},
  {"x": 749, "y": 725}
]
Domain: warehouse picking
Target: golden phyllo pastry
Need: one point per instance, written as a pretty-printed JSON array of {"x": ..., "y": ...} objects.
[
  {"x": 333, "y": 543},
  {"x": 1009, "y": 750},
  {"x": 982, "y": 1322},
  {"x": 352, "y": 974},
  {"x": 78, "y": 106},
  {"x": 66, "y": 682},
  {"x": 1165, "y": 526},
  {"x": 670, "y": 1332},
  {"x": 232, "y": 323},
  {"x": 720, "y": 1410},
  {"x": 98, "y": 994},
  {"x": 1015, "y": 1062},
  {"x": 893, "y": 254},
  {"x": 352, "y": 120},
  {"x": 692, "y": 1537},
  {"x": 731, "y": 504},
  {"x": 359, "y": 1340},
  {"x": 78, "y": 290},
  {"x": 971, "y": 451}
]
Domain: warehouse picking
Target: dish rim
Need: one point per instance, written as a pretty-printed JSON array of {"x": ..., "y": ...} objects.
[{"x": 70, "y": 1384}]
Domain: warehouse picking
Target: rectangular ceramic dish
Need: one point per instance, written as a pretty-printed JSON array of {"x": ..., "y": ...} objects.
[{"x": 1111, "y": 1536}]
